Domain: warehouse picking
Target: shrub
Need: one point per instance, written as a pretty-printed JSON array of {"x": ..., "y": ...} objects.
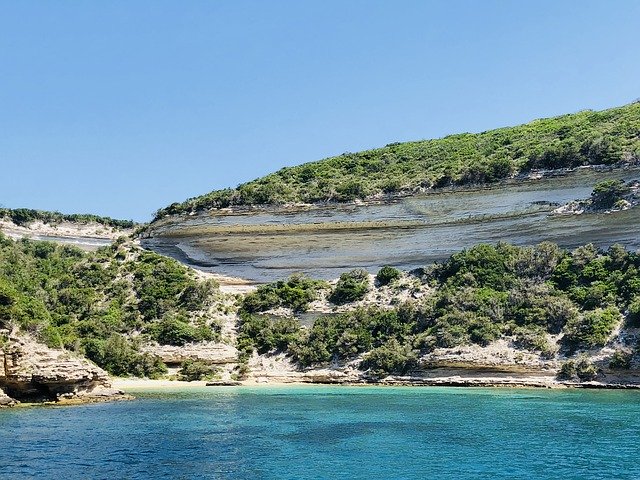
[
  {"x": 633, "y": 316},
  {"x": 390, "y": 358},
  {"x": 567, "y": 370},
  {"x": 175, "y": 330},
  {"x": 606, "y": 193},
  {"x": 120, "y": 357},
  {"x": 581, "y": 367},
  {"x": 295, "y": 293},
  {"x": 387, "y": 274},
  {"x": 585, "y": 369},
  {"x": 534, "y": 339},
  {"x": 592, "y": 329},
  {"x": 620, "y": 360},
  {"x": 267, "y": 334},
  {"x": 351, "y": 287},
  {"x": 482, "y": 266},
  {"x": 482, "y": 331},
  {"x": 194, "y": 370}
]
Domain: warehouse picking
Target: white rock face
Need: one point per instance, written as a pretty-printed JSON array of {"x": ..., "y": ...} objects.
[
  {"x": 211, "y": 352},
  {"x": 33, "y": 371},
  {"x": 6, "y": 400}
]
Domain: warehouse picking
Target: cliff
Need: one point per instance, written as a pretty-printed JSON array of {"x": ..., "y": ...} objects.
[{"x": 32, "y": 372}]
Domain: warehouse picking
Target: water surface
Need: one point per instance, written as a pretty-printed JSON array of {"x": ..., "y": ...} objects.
[{"x": 316, "y": 432}]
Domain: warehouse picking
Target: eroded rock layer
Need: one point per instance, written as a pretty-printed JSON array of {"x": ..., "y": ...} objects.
[{"x": 30, "y": 371}]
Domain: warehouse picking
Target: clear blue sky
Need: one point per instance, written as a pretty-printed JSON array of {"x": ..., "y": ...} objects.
[{"x": 122, "y": 107}]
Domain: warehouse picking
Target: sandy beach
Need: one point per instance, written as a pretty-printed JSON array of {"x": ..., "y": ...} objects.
[{"x": 145, "y": 383}]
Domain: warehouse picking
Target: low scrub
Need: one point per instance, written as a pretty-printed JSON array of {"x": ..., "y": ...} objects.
[
  {"x": 194, "y": 370},
  {"x": 351, "y": 287}
]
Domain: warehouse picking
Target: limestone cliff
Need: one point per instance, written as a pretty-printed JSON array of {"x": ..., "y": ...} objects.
[{"x": 30, "y": 371}]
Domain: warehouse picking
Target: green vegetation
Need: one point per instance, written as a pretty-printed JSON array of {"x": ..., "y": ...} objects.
[
  {"x": 593, "y": 328},
  {"x": 581, "y": 367},
  {"x": 265, "y": 334},
  {"x": 386, "y": 275},
  {"x": 585, "y": 138},
  {"x": 295, "y": 293},
  {"x": 24, "y": 216},
  {"x": 633, "y": 317},
  {"x": 541, "y": 298},
  {"x": 175, "y": 329},
  {"x": 620, "y": 360},
  {"x": 194, "y": 370},
  {"x": 608, "y": 192},
  {"x": 103, "y": 304},
  {"x": 391, "y": 357},
  {"x": 351, "y": 287},
  {"x": 120, "y": 356}
]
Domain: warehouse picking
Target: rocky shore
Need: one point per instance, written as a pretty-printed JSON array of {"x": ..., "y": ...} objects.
[{"x": 33, "y": 373}]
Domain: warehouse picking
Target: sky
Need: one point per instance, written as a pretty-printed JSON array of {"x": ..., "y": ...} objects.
[{"x": 119, "y": 108}]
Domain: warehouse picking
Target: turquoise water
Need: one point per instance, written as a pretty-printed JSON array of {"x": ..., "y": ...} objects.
[{"x": 315, "y": 432}]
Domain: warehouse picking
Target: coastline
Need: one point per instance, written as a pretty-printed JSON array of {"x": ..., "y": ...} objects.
[{"x": 141, "y": 384}]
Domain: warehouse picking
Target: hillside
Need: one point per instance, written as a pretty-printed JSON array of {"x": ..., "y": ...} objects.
[
  {"x": 605, "y": 137},
  {"x": 494, "y": 308},
  {"x": 490, "y": 315},
  {"x": 103, "y": 304}
]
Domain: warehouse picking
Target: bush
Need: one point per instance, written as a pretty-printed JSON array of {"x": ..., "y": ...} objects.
[
  {"x": 118, "y": 356},
  {"x": 266, "y": 334},
  {"x": 386, "y": 275},
  {"x": 593, "y": 329},
  {"x": 567, "y": 370},
  {"x": 482, "y": 331},
  {"x": 581, "y": 367},
  {"x": 351, "y": 287},
  {"x": 620, "y": 360},
  {"x": 390, "y": 358},
  {"x": 606, "y": 193},
  {"x": 194, "y": 370},
  {"x": 295, "y": 293},
  {"x": 481, "y": 266},
  {"x": 585, "y": 369},
  {"x": 633, "y": 316},
  {"x": 534, "y": 339},
  {"x": 175, "y": 330}
]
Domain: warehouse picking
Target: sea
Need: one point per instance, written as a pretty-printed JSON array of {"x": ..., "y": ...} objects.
[{"x": 329, "y": 432}]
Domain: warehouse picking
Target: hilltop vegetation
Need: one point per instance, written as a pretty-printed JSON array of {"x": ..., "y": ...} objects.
[
  {"x": 25, "y": 216},
  {"x": 103, "y": 304},
  {"x": 606, "y": 137},
  {"x": 542, "y": 299}
]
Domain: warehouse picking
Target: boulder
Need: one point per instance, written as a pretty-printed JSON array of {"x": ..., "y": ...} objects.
[
  {"x": 6, "y": 400},
  {"x": 31, "y": 371}
]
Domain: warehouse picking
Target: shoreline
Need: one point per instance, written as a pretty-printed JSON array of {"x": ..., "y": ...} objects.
[{"x": 140, "y": 384}]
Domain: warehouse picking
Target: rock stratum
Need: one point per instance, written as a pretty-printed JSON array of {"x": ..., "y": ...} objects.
[{"x": 32, "y": 372}]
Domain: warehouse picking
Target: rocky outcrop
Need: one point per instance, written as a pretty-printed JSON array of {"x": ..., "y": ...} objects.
[
  {"x": 215, "y": 353},
  {"x": 89, "y": 236},
  {"x": 30, "y": 371},
  {"x": 628, "y": 200},
  {"x": 6, "y": 400}
]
